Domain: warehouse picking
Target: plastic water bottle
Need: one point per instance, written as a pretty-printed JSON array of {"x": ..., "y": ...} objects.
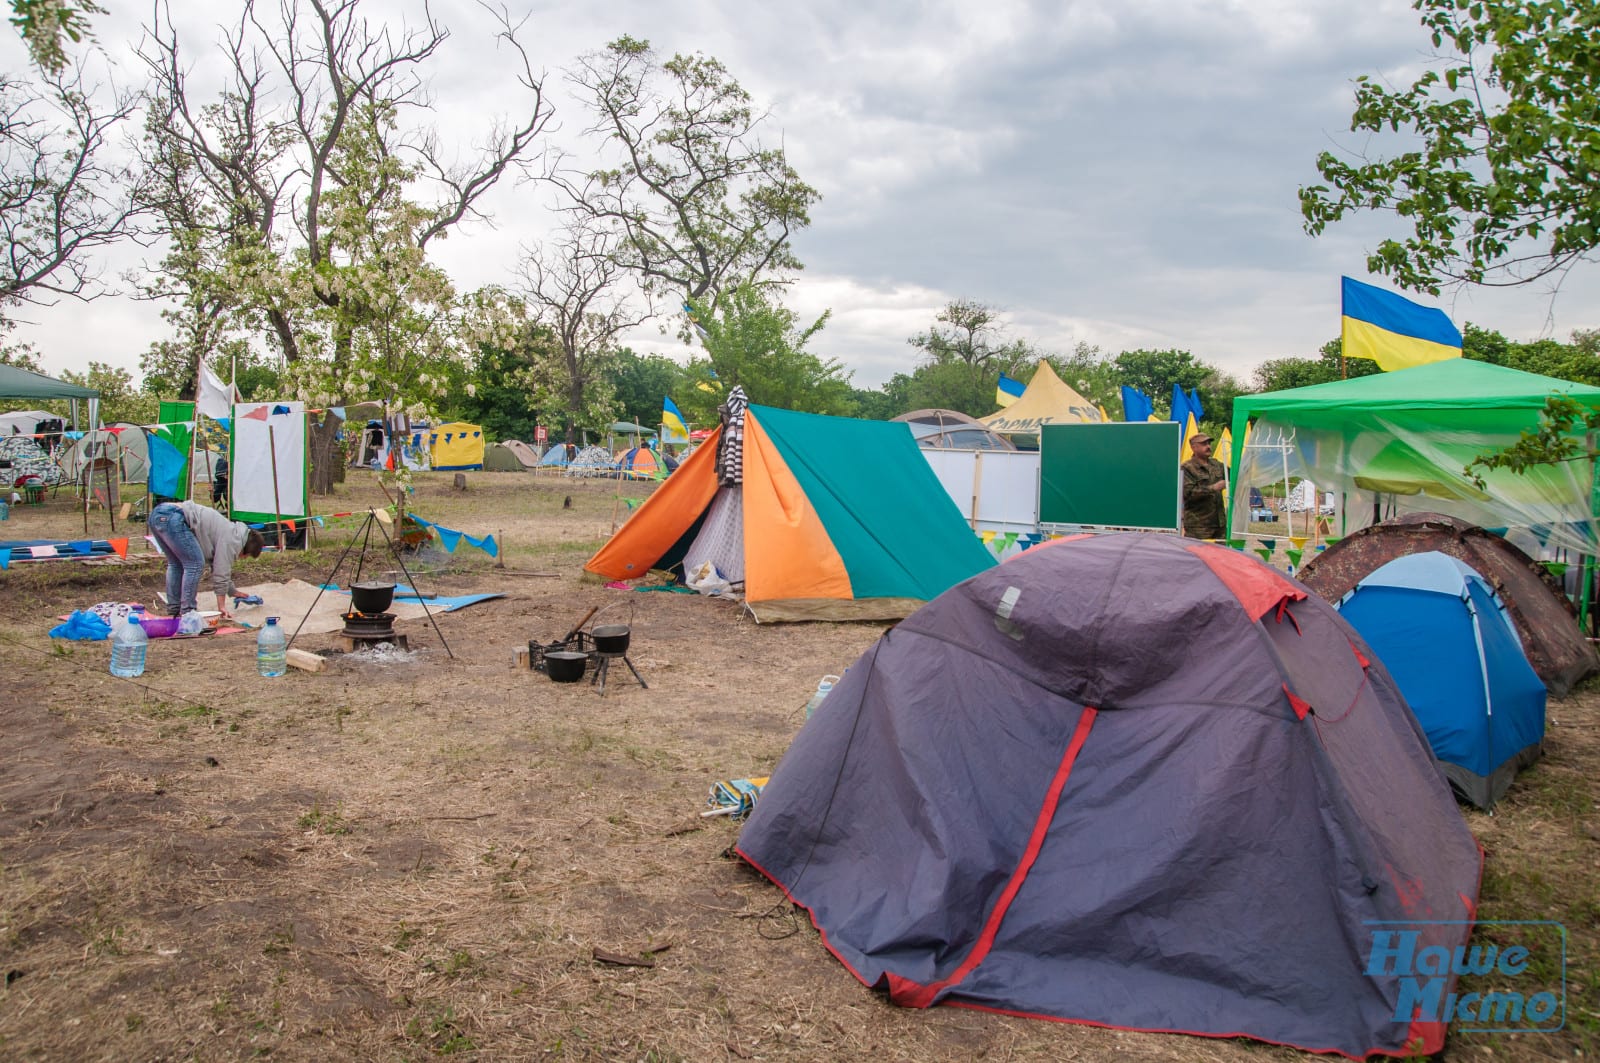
[
  {"x": 128, "y": 648},
  {"x": 825, "y": 685},
  {"x": 271, "y": 649}
]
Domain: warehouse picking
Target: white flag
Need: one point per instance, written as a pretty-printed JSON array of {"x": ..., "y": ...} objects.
[{"x": 214, "y": 398}]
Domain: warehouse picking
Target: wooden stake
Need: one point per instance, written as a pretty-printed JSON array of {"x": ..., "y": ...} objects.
[
  {"x": 500, "y": 548},
  {"x": 277, "y": 506}
]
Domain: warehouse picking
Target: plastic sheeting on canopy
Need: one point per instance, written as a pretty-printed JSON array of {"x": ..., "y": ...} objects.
[{"x": 1399, "y": 442}]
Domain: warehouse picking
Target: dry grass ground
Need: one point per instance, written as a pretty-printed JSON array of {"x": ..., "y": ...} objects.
[{"x": 414, "y": 860}]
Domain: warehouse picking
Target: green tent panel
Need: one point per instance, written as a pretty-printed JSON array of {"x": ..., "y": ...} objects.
[{"x": 893, "y": 523}]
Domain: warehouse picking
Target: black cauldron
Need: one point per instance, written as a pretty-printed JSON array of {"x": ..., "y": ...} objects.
[
  {"x": 372, "y": 597},
  {"x": 565, "y": 666},
  {"x": 611, "y": 638}
]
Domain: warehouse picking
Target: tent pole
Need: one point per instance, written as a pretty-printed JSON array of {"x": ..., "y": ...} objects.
[{"x": 277, "y": 507}]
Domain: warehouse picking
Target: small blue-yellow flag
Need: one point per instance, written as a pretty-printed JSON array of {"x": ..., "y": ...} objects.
[
  {"x": 673, "y": 427},
  {"x": 1007, "y": 391}
]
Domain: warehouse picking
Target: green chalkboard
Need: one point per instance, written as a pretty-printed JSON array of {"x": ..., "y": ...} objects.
[{"x": 1119, "y": 475}]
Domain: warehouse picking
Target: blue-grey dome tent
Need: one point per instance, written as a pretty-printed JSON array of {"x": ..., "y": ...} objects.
[
  {"x": 1446, "y": 638},
  {"x": 1129, "y": 780}
]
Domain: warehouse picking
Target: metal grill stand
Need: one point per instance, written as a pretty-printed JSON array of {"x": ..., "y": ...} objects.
[{"x": 603, "y": 666}]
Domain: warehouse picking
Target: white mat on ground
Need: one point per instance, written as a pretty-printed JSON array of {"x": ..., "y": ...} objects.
[{"x": 289, "y": 601}]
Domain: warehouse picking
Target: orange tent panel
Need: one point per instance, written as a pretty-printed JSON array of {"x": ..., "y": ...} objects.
[
  {"x": 792, "y": 556},
  {"x": 663, "y": 518}
]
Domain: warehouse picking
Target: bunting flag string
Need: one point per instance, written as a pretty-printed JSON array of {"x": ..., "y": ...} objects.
[{"x": 450, "y": 538}]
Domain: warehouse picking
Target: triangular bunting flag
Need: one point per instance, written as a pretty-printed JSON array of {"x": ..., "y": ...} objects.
[
  {"x": 83, "y": 546},
  {"x": 120, "y": 546},
  {"x": 1299, "y": 541},
  {"x": 450, "y": 539},
  {"x": 987, "y": 537},
  {"x": 260, "y": 413},
  {"x": 278, "y": 410},
  {"x": 290, "y": 525},
  {"x": 1294, "y": 557}
]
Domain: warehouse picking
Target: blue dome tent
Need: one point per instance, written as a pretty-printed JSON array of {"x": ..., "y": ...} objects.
[{"x": 1448, "y": 642}]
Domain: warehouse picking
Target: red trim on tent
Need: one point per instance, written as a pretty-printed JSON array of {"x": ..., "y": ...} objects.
[
  {"x": 809, "y": 913},
  {"x": 911, "y": 994},
  {"x": 1361, "y": 658},
  {"x": 1301, "y": 708},
  {"x": 1258, "y": 587}
]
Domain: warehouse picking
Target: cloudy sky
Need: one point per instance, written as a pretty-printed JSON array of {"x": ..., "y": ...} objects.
[{"x": 1121, "y": 173}]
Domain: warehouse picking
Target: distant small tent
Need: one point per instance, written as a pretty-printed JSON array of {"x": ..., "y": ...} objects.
[
  {"x": 456, "y": 446},
  {"x": 125, "y": 443},
  {"x": 24, "y": 459},
  {"x": 640, "y": 463},
  {"x": 500, "y": 458},
  {"x": 828, "y": 518},
  {"x": 556, "y": 457},
  {"x": 26, "y": 422},
  {"x": 526, "y": 455},
  {"x": 1450, "y": 645}
]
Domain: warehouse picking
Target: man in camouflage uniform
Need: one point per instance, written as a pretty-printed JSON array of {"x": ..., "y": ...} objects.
[{"x": 1204, "y": 479}]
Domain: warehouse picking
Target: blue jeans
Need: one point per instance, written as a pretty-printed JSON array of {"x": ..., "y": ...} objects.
[{"x": 185, "y": 560}]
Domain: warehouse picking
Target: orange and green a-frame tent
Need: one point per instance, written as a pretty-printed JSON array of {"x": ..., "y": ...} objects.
[{"x": 842, "y": 520}]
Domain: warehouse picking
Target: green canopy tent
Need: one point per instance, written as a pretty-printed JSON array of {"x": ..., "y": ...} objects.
[
  {"x": 1399, "y": 442},
  {"x": 16, "y": 383}
]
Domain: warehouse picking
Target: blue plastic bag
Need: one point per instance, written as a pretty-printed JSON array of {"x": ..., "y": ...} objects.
[{"x": 82, "y": 627}]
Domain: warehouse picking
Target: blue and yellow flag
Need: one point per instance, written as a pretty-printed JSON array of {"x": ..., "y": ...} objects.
[
  {"x": 1007, "y": 391},
  {"x": 673, "y": 427},
  {"x": 1392, "y": 330}
]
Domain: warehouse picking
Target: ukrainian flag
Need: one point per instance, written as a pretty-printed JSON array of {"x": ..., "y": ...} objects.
[
  {"x": 673, "y": 427},
  {"x": 1392, "y": 330},
  {"x": 1007, "y": 391}
]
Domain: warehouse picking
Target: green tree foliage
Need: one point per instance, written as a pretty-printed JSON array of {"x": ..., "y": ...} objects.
[
  {"x": 884, "y": 404},
  {"x": 47, "y": 26},
  {"x": 701, "y": 203},
  {"x": 121, "y": 400},
  {"x": 497, "y": 393},
  {"x": 1504, "y": 187},
  {"x": 1280, "y": 374},
  {"x": 755, "y": 343},
  {"x": 963, "y": 354},
  {"x": 1574, "y": 361},
  {"x": 640, "y": 382},
  {"x": 312, "y": 193}
]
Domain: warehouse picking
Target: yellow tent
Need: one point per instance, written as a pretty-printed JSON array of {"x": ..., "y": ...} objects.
[
  {"x": 456, "y": 446},
  {"x": 1047, "y": 400}
]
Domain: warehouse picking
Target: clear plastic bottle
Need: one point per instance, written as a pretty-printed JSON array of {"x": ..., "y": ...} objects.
[
  {"x": 271, "y": 649},
  {"x": 823, "y": 687},
  {"x": 128, "y": 647}
]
